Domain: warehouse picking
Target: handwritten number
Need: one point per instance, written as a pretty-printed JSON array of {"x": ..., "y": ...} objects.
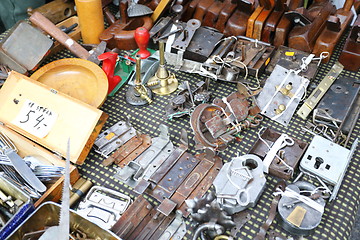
[{"x": 28, "y": 116}]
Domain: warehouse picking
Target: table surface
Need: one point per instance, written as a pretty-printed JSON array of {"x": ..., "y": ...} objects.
[{"x": 339, "y": 216}]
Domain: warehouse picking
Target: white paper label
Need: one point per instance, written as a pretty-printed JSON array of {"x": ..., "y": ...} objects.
[{"x": 35, "y": 119}]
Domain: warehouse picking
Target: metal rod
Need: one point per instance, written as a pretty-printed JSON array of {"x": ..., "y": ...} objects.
[
  {"x": 162, "y": 52},
  {"x": 138, "y": 71}
]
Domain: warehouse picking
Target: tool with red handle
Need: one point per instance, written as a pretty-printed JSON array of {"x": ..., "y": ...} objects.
[
  {"x": 142, "y": 37},
  {"x": 108, "y": 66}
]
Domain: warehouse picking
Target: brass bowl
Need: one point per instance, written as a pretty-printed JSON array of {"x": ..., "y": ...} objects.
[{"x": 78, "y": 78}]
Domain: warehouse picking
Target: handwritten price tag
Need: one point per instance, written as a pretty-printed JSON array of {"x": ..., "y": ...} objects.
[{"x": 35, "y": 119}]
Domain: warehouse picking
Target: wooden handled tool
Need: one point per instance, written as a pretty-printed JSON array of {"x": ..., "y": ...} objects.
[{"x": 46, "y": 25}]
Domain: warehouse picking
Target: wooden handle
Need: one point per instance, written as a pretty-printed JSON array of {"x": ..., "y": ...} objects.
[{"x": 46, "y": 25}]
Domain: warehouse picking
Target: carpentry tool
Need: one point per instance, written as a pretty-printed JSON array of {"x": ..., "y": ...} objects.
[
  {"x": 350, "y": 55},
  {"x": 62, "y": 230},
  {"x": 56, "y": 11},
  {"x": 335, "y": 27},
  {"x": 120, "y": 33},
  {"x": 142, "y": 37},
  {"x": 237, "y": 23},
  {"x": 8, "y": 148},
  {"x": 139, "y": 94},
  {"x": 137, "y": 10},
  {"x": 46, "y": 25},
  {"x": 109, "y": 60},
  {"x": 303, "y": 36},
  {"x": 268, "y": 32},
  {"x": 79, "y": 189},
  {"x": 164, "y": 82},
  {"x": 315, "y": 97}
]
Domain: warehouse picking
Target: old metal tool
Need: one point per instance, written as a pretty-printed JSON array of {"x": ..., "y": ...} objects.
[
  {"x": 164, "y": 82},
  {"x": 211, "y": 216},
  {"x": 280, "y": 187},
  {"x": 79, "y": 189},
  {"x": 335, "y": 108},
  {"x": 183, "y": 41},
  {"x": 137, "y": 10},
  {"x": 103, "y": 206},
  {"x": 300, "y": 212},
  {"x": 146, "y": 163},
  {"x": 139, "y": 94},
  {"x": 286, "y": 160},
  {"x": 8, "y": 148},
  {"x": 186, "y": 100},
  {"x": 316, "y": 95},
  {"x": 120, "y": 34},
  {"x": 290, "y": 58},
  {"x": 335, "y": 27},
  {"x": 322, "y": 159},
  {"x": 350, "y": 55},
  {"x": 240, "y": 183},
  {"x": 218, "y": 124},
  {"x": 46, "y": 25}
]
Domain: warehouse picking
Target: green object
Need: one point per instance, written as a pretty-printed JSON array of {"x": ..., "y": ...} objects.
[
  {"x": 11, "y": 11},
  {"x": 125, "y": 71}
]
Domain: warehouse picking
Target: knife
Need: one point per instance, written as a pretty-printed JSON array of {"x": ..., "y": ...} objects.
[{"x": 24, "y": 170}]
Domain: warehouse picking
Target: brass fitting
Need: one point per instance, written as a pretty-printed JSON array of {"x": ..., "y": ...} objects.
[
  {"x": 280, "y": 109},
  {"x": 164, "y": 82}
]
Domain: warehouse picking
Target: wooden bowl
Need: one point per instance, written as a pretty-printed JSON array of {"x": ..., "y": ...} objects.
[{"x": 78, "y": 78}]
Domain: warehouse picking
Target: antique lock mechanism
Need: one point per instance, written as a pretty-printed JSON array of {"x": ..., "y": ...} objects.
[
  {"x": 328, "y": 161},
  {"x": 240, "y": 183},
  {"x": 216, "y": 125},
  {"x": 281, "y": 94},
  {"x": 301, "y": 208}
]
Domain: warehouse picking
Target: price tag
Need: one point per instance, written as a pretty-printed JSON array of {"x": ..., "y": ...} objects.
[{"x": 35, "y": 119}]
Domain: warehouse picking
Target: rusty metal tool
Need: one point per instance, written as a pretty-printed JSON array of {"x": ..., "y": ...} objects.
[{"x": 46, "y": 25}]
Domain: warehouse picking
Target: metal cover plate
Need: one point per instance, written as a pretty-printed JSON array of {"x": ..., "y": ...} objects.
[{"x": 299, "y": 84}]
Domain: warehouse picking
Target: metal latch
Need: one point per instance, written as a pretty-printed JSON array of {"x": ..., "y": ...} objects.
[
  {"x": 103, "y": 206},
  {"x": 114, "y": 137},
  {"x": 148, "y": 161}
]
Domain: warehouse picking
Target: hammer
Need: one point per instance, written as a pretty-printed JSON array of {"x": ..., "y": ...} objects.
[{"x": 46, "y": 25}]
